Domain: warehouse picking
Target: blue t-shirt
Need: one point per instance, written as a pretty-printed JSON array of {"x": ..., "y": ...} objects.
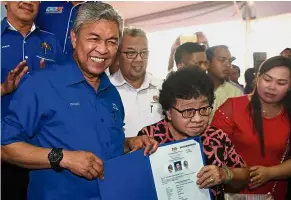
[
  {"x": 36, "y": 45},
  {"x": 64, "y": 111}
]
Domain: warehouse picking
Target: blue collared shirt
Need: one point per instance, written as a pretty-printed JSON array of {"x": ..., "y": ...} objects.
[
  {"x": 58, "y": 17},
  {"x": 64, "y": 111},
  {"x": 15, "y": 48}
]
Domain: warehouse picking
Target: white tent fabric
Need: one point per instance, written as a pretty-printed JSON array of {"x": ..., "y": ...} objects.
[{"x": 200, "y": 13}]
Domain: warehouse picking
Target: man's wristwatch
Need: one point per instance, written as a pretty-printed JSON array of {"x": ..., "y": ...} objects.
[{"x": 55, "y": 156}]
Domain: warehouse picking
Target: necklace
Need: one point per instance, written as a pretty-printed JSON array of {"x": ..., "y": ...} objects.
[{"x": 271, "y": 113}]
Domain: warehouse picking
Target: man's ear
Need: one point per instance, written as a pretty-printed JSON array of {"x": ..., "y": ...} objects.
[
  {"x": 73, "y": 38},
  {"x": 169, "y": 117},
  {"x": 4, "y": 3}
]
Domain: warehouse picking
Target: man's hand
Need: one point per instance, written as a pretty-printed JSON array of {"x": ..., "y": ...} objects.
[
  {"x": 84, "y": 164},
  {"x": 259, "y": 175},
  {"x": 13, "y": 78},
  {"x": 144, "y": 141}
]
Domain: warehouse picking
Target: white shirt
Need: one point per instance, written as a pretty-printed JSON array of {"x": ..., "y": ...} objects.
[{"x": 141, "y": 105}]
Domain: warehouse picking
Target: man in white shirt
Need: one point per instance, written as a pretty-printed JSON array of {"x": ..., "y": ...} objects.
[
  {"x": 220, "y": 60},
  {"x": 138, "y": 89}
]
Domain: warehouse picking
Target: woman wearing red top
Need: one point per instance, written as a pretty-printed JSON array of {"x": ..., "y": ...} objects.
[
  {"x": 259, "y": 127},
  {"x": 186, "y": 98}
]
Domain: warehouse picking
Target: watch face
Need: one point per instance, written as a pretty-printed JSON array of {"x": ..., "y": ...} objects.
[{"x": 55, "y": 156}]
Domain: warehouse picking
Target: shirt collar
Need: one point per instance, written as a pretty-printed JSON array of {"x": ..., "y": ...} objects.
[
  {"x": 6, "y": 25},
  {"x": 118, "y": 80},
  {"x": 75, "y": 75}
]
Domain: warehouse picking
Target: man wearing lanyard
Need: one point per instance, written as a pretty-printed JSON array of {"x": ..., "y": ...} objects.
[
  {"x": 66, "y": 127},
  {"x": 24, "y": 47}
]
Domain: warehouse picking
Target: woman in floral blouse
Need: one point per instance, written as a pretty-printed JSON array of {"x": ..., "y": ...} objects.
[{"x": 186, "y": 98}]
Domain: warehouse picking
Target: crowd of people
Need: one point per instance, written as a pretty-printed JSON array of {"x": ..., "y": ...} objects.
[{"x": 78, "y": 93}]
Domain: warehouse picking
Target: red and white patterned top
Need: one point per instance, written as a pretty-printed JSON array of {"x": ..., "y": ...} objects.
[{"x": 217, "y": 147}]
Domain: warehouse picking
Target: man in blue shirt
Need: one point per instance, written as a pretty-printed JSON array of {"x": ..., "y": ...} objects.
[
  {"x": 64, "y": 128},
  {"x": 58, "y": 17},
  {"x": 25, "y": 44},
  {"x": 24, "y": 47}
]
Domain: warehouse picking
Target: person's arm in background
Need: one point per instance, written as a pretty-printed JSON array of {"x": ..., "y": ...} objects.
[{"x": 173, "y": 50}]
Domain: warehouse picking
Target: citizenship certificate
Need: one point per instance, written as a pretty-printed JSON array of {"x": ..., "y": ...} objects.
[{"x": 175, "y": 167}]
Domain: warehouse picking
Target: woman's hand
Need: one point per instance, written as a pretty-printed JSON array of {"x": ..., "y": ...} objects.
[
  {"x": 211, "y": 175},
  {"x": 259, "y": 175}
]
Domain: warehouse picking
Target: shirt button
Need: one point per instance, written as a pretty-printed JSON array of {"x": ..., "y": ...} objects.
[
  {"x": 102, "y": 120},
  {"x": 26, "y": 57},
  {"x": 71, "y": 21}
]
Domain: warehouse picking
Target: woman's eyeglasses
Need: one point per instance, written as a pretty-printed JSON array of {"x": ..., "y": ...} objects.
[{"x": 189, "y": 113}]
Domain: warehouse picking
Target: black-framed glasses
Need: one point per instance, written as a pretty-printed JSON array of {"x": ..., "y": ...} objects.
[
  {"x": 134, "y": 54},
  {"x": 189, "y": 113}
]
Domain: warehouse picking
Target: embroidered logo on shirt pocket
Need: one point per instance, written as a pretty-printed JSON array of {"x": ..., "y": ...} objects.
[{"x": 75, "y": 104}]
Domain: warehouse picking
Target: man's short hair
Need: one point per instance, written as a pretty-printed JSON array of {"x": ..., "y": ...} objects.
[
  {"x": 187, "y": 48},
  {"x": 287, "y": 49},
  {"x": 134, "y": 32},
  {"x": 210, "y": 51},
  {"x": 90, "y": 12}
]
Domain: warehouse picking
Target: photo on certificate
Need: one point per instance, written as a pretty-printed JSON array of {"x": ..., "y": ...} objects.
[
  {"x": 178, "y": 166},
  {"x": 170, "y": 168}
]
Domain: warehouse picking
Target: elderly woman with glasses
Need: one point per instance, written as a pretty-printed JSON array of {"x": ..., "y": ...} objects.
[{"x": 186, "y": 98}]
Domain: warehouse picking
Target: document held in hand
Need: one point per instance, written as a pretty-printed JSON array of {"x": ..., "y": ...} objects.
[{"x": 168, "y": 174}]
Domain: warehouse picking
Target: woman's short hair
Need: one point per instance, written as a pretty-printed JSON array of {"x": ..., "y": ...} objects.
[{"x": 186, "y": 83}]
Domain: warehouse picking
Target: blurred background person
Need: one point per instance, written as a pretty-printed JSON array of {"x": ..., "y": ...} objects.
[
  {"x": 235, "y": 74},
  {"x": 220, "y": 60},
  {"x": 197, "y": 37},
  {"x": 191, "y": 55},
  {"x": 249, "y": 79}
]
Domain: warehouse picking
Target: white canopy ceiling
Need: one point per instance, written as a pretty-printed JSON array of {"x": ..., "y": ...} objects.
[{"x": 158, "y": 15}]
